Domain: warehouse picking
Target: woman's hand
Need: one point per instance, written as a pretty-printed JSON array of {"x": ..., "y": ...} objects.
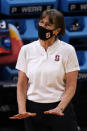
[
  {"x": 55, "y": 111},
  {"x": 22, "y": 116}
]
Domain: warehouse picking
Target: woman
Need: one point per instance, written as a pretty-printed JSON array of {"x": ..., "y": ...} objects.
[{"x": 47, "y": 78}]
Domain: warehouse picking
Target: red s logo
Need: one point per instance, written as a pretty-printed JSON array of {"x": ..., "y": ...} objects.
[{"x": 57, "y": 58}]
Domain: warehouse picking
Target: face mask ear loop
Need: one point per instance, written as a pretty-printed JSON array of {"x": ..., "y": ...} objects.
[
  {"x": 58, "y": 32},
  {"x": 54, "y": 34}
]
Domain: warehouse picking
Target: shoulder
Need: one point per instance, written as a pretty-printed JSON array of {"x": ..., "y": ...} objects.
[
  {"x": 30, "y": 46},
  {"x": 67, "y": 48}
]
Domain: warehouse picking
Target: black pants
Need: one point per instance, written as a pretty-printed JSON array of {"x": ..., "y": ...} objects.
[{"x": 49, "y": 122}]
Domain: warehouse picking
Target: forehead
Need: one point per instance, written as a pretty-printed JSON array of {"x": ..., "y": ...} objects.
[{"x": 46, "y": 18}]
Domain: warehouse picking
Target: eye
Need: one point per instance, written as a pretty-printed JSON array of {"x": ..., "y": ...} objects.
[
  {"x": 45, "y": 23},
  {"x": 41, "y": 22}
]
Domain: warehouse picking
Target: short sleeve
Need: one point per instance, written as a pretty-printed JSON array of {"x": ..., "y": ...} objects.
[
  {"x": 72, "y": 63},
  {"x": 21, "y": 61}
]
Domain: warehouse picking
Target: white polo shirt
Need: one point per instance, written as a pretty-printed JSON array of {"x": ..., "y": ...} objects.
[{"x": 46, "y": 69}]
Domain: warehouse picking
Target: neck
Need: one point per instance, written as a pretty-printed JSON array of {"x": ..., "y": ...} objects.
[{"x": 47, "y": 43}]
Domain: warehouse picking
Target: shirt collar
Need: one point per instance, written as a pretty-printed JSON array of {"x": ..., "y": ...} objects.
[{"x": 51, "y": 47}]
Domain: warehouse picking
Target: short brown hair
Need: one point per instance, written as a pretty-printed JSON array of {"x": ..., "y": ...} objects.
[{"x": 56, "y": 18}]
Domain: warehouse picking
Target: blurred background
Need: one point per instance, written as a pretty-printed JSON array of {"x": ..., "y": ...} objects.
[{"x": 18, "y": 26}]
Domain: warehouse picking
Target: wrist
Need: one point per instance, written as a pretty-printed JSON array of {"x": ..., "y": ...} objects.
[
  {"x": 22, "y": 111},
  {"x": 62, "y": 109}
]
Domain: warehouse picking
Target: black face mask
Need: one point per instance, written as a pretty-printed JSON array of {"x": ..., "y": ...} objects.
[{"x": 44, "y": 34}]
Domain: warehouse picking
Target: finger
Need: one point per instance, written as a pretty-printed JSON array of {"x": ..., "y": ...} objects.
[
  {"x": 61, "y": 114},
  {"x": 31, "y": 114},
  {"x": 16, "y": 116},
  {"x": 28, "y": 115},
  {"x": 54, "y": 113},
  {"x": 21, "y": 116},
  {"x": 13, "y": 117},
  {"x": 48, "y": 112}
]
